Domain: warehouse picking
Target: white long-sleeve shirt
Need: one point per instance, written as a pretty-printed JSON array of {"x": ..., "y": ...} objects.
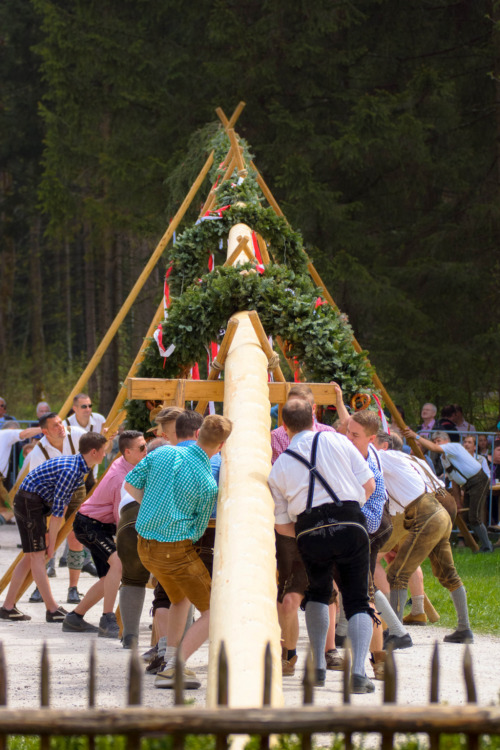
[{"x": 340, "y": 463}]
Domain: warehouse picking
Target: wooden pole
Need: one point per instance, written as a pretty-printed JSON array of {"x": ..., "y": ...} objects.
[
  {"x": 234, "y": 117},
  {"x": 236, "y": 150},
  {"x": 136, "y": 288}
]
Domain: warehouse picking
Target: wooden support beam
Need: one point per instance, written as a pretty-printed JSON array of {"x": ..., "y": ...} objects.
[
  {"x": 180, "y": 393},
  {"x": 235, "y": 116},
  {"x": 229, "y": 171},
  {"x": 266, "y": 346},
  {"x": 242, "y": 246},
  {"x": 263, "y": 250},
  {"x": 211, "y": 389},
  {"x": 267, "y": 193},
  {"x": 115, "y": 325},
  {"x": 236, "y": 150}
]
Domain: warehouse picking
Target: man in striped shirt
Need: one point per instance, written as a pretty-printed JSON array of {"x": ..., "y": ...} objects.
[
  {"x": 177, "y": 492},
  {"x": 46, "y": 491}
]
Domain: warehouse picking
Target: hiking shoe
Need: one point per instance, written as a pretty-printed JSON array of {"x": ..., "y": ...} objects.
[
  {"x": 361, "y": 684},
  {"x": 157, "y": 664},
  {"x": 410, "y": 619},
  {"x": 398, "y": 641},
  {"x": 377, "y": 659},
  {"x": 63, "y": 563},
  {"x": 288, "y": 666},
  {"x": 130, "y": 641},
  {"x": 14, "y": 615},
  {"x": 108, "y": 626},
  {"x": 51, "y": 571},
  {"x": 90, "y": 568},
  {"x": 74, "y": 596},
  {"x": 36, "y": 597},
  {"x": 166, "y": 679},
  {"x": 150, "y": 653},
  {"x": 334, "y": 660},
  {"x": 460, "y": 636},
  {"x": 57, "y": 616},
  {"x": 74, "y": 623}
]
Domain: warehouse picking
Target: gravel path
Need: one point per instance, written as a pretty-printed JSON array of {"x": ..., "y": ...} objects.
[{"x": 69, "y": 659}]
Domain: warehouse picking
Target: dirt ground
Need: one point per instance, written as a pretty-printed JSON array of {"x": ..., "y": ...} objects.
[{"x": 69, "y": 659}]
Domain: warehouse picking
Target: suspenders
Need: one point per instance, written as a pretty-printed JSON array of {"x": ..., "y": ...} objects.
[
  {"x": 71, "y": 445},
  {"x": 314, "y": 474}
]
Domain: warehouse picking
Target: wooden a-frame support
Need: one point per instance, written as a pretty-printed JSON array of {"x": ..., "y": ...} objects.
[{"x": 116, "y": 415}]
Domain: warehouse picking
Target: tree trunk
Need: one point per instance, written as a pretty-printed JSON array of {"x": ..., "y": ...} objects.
[
  {"x": 90, "y": 301},
  {"x": 37, "y": 337}
]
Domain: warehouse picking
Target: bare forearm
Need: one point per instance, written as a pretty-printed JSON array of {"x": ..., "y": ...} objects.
[{"x": 134, "y": 492}]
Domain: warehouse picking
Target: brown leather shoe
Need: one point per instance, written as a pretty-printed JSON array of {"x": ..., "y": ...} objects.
[
  {"x": 334, "y": 660},
  {"x": 377, "y": 659},
  {"x": 287, "y": 665},
  {"x": 415, "y": 619}
]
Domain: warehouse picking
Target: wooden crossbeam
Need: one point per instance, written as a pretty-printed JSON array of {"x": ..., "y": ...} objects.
[
  {"x": 234, "y": 117},
  {"x": 241, "y": 247},
  {"x": 218, "y": 363},
  {"x": 144, "y": 389}
]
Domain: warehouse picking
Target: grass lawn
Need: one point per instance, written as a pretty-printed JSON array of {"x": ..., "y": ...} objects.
[{"x": 481, "y": 577}]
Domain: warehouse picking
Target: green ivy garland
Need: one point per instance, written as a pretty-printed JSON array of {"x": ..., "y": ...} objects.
[
  {"x": 320, "y": 338},
  {"x": 284, "y": 295}
]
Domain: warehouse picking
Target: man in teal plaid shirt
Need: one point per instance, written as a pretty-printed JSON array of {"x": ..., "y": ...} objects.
[{"x": 177, "y": 492}]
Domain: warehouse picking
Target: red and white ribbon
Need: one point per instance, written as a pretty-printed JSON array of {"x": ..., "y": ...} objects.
[{"x": 381, "y": 414}]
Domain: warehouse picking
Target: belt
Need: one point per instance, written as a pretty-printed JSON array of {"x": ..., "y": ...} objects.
[{"x": 31, "y": 495}]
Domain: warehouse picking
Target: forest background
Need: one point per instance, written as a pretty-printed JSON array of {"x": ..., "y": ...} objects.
[{"x": 376, "y": 123}]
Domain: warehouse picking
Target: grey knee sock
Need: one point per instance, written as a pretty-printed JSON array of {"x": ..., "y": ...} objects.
[
  {"x": 460, "y": 601},
  {"x": 341, "y": 628},
  {"x": 317, "y": 621},
  {"x": 131, "y": 601},
  {"x": 482, "y": 534},
  {"x": 360, "y": 631},
  {"x": 398, "y": 597},
  {"x": 393, "y": 622},
  {"x": 162, "y": 645}
]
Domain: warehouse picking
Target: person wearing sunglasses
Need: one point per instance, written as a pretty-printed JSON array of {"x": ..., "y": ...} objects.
[
  {"x": 95, "y": 527},
  {"x": 83, "y": 416}
]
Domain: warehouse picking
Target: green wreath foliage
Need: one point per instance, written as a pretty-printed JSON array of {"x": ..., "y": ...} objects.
[
  {"x": 320, "y": 338},
  {"x": 284, "y": 295}
]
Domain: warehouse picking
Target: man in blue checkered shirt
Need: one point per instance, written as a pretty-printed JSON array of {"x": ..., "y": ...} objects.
[
  {"x": 46, "y": 491},
  {"x": 362, "y": 430}
]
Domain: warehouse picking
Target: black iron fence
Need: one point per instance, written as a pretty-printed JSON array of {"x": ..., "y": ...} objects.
[{"x": 136, "y": 721}]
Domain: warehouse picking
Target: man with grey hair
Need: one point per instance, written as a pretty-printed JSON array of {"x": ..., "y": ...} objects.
[
  {"x": 464, "y": 471},
  {"x": 428, "y": 415}
]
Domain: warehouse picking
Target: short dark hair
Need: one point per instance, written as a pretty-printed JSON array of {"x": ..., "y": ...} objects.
[
  {"x": 43, "y": 419},
  {"x": 448, "y": 411},
  {"x": 91, "y": 441},
  {"x": 187, "y": 423},
  {"x": 78, "y": 397},
  {"x": 127, "y": 438},
  {"x": 298, "y": 415}
]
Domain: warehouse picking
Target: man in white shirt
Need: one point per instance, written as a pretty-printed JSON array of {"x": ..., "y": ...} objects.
[
  {"x": 9, "y": 435},
  {"x": 83, "y": 415},
  {"x": 59, "y": 440},
  {"x": 329, "y": 527},
  {"x": 464, "y": 470},
  {"x": 429, "y": 527}
]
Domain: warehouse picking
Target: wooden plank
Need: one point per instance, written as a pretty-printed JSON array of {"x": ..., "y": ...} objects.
[
  {"x": 213, "y": 390},
  {"x": 241, "y": 247},
  {"x": 263, "y": 720},
  {"x": 237, "y": 112}
]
